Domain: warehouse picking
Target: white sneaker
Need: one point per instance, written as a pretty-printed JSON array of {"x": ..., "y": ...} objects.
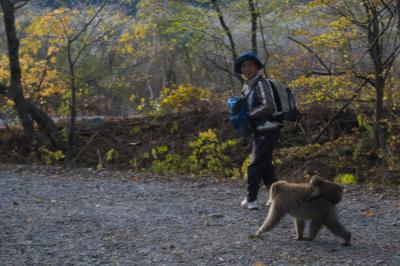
[{"x": 249, "y": 205}]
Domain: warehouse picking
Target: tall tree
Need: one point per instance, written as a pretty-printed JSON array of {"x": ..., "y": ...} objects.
[
  {"x": 380, "y": 19},
  {"x": 216, "y": 7},
  {"x": 73, "y": 33},
  {"x": 253, "y": 16},
  {"x": 360, "y": 40},
  {"x": 26, "y": 109},
  {"x": 15, "y": 91},
  {"x": 72, "y": 59}
]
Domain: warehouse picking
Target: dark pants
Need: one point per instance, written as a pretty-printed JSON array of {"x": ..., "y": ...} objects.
[{"x": 261, "y": 167}]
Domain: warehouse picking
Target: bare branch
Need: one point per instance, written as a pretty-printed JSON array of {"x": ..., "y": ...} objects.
[
  {"x": 390, "y": 60},
  {"x": 338, "y": 112},
  {"x": 313, "y": 53},
  {"x": 88, "y": 23},
  {"x": 318, "y": 73},
  {"x": 227, "y": 70},
  {"x": 339, "y": 73},
  {"x": 215, "y": 5},
  {"x": 383, "y": 31},
  {"x": 352, "y": 18},
  {"x": 21, "y": 4}
]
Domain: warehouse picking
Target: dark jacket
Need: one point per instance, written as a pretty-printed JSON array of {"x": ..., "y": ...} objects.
[{"x": 260, "y": 102}]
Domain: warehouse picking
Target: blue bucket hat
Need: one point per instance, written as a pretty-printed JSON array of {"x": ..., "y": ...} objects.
[{"x": 249, "y": 55}]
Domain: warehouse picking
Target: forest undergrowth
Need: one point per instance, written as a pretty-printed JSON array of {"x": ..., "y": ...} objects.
[{"x": 205, "y": 144}]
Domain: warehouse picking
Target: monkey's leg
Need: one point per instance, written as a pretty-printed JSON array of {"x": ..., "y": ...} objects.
[
  {"x": 315, "y": 226},
  {"x": 299, "y": 226},
  {"x": 333, "y": 224},
  {"x": 275, "y": 214}
]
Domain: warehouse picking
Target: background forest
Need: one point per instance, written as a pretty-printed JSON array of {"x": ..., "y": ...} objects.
[{"x": 143, "y": 83}]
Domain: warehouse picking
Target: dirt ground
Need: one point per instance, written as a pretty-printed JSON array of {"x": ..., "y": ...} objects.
[{"x": 55, "y": 216}]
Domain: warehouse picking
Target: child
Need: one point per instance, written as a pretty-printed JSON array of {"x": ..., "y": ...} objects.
[{"x": 261, "y": 108}]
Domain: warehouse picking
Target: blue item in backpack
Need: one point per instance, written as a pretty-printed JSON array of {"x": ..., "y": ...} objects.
[{"x": 238, "y": 114}]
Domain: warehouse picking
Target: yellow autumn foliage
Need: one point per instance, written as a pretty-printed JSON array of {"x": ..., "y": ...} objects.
[
  {"x": 184, "y": 97},
  {"x": 38, "y": 79},
  {"x": 325, "y": 88}
]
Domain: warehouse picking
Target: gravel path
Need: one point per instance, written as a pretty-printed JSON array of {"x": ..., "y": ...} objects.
[{"x": 51, "y": 216}]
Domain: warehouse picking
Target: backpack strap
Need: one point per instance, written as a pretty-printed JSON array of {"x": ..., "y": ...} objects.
[
  {"x": 254, "y": 85},
  {"x": 252, "y": 88},
  {"x": 275, "y": 95}
]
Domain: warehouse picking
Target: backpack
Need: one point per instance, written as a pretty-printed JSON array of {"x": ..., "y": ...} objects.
[
  {"x": 284, "y": 100},
  {"x": 285, "y": 105},
  {"x": 237, "y": 109}
]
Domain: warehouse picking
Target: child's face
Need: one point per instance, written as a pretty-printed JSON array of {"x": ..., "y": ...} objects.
[{"x": 249, "y": 69}]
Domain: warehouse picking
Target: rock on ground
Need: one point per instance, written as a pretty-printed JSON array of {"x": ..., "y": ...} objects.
[{"x": 54, "y": 216}]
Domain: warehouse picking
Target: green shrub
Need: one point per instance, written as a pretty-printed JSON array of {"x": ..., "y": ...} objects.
[
  {"x": 346, "y": 179},
  {"x": 111, "y": 155},
  {"x": 171, "y": 163},
  {"x": 210, "y": 155},
  {"x": 165, "y": 162},
  {"x": 135, "y": 130},
  {"x": 50, "y": 157},
  {"x": 184, "y": 97}
]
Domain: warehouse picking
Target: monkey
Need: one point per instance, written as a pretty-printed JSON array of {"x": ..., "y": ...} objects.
[
  {"x": 309, "y": 201},
  {"x": 331, "y": 191},
  {"x": 322, "y": 188}
]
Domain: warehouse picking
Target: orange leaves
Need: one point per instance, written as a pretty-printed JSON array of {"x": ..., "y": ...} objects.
[
  {"x": 51, "y": 50},
  {"x": 39, "y": 80},
  {"x": 369, "y": 213}
]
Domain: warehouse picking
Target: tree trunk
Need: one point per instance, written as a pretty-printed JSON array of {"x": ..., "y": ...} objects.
[
  {"x": 26, "y": 109},
  {"x": 253, "y": 14},
  {"x": 375, "y": 50},
  {"x": 15, "y": 89},
  {"x": 46, "y": 125},
  {"x": 215, "y": 6},
  {"x": 398, "y": 13},
  {"x": 266, "y": 55},
  {"x": 379, "y": 136},
  {"x": 72, "y": 124},
  {"x": 72, "y": 106}
]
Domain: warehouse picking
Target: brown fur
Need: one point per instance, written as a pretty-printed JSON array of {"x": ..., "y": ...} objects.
[
  {"x": 331, "y": 191},
  {"x": 310, "y": 201}
]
